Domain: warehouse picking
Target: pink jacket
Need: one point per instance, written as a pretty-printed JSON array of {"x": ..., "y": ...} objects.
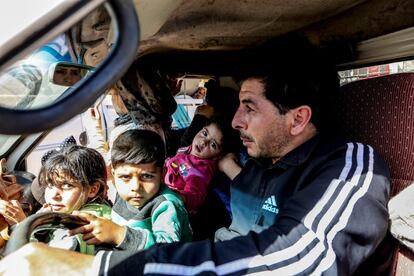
[{"x": 189, "y": 176}]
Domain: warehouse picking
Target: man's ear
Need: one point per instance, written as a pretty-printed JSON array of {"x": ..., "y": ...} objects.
[
  {"x": 94, "y": 189},
  {"x": 301, "y": 118}
]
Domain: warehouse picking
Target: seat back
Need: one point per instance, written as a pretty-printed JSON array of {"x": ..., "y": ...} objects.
[
  {"x": 181, "y": 119},
  {"x": 184, "y": 113},
  {"x": 380, "y": 112}
]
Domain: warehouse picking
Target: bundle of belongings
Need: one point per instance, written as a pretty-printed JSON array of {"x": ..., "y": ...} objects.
[
  {"x": 401, "y": 212},
  {"x": 9, "y": 190}
]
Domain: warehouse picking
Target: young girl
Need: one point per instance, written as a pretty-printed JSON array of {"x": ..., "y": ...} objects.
[
  {"x": 189, "y": 172},
  {"x": 74, "y": 178}
]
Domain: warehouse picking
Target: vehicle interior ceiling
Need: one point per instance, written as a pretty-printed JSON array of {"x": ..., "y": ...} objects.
[{"x": 200, "y": 35}]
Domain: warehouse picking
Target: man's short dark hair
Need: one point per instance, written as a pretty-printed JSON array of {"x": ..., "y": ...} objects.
[
  {"x": 295, "y": 73},
  {"x": 137, "y": 146}
]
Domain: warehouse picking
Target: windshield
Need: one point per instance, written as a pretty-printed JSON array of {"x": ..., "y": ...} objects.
[
  {"x": 26, "y": 85},
  {"x": 21, "y": 18}
]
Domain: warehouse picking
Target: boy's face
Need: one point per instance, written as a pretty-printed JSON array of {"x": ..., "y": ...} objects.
[
  {"x": 137, "y": 183},
  {"x": 207, "y": 143},
  {"x": 65, "y": 195}
]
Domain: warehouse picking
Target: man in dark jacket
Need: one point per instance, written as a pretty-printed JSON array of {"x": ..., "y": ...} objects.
[{"x": 304, "y": 204}]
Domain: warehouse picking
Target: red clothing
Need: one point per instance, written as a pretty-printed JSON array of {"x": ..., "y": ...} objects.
[{"x": 189, "y": 176}]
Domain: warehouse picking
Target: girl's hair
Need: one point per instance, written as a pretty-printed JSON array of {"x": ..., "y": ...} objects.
[
  {"x": 231, "y": 140},
  {"x": 83, "y": 164}
]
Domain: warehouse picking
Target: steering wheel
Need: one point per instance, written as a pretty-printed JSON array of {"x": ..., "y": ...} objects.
[{"x": 21, "y": 235}]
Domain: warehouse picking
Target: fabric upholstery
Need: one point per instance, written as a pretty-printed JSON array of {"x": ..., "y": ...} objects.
[{"x": 380, "y": 112}]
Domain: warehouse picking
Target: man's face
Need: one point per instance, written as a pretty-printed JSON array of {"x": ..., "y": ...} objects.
[
  {"x": 263, "y": 130},
  {"x": 137, "y": 183}
]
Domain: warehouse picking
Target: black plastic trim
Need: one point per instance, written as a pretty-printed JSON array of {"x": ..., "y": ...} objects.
[{"x": 112, "y": 68}]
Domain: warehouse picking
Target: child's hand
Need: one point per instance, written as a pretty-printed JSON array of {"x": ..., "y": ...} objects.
[
  {"x": 45, "y": 208},
  {"x": 229, "y": 165},
  {"x": 99, "y": 230},
  {"x": 11, "y": 211},
  {"x": 226, "y": 160}
]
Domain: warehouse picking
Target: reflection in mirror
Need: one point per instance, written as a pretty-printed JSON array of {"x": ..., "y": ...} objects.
[
  {"x": 24, "y": 84},
  {"x": 29, "y": 83},
  {"x": 67, "y": 73}
]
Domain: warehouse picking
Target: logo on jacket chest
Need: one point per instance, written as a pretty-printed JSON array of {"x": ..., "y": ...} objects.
[
  {"x": 271, "y": 205},
  {"x": 182, "y": 168}
]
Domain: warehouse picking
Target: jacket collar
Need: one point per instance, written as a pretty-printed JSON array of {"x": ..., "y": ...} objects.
[{"x": 300, "y": 154}]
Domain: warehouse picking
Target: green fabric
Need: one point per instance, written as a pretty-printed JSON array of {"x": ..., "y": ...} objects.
[
  {"x": 168, "y": 222},
  {"x": 99, "y": 210}
]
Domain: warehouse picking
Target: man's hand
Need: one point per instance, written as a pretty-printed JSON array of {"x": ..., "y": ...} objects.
[
  {"x": 99, "y": 230},
  {"x": 39, "y": 259}
]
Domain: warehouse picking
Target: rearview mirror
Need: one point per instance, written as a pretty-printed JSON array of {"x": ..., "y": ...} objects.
[{"x": 67, "y": 73}]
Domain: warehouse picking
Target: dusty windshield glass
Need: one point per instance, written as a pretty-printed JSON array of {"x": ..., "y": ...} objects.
[
  {"x": 25, "y": 85},
  {"x": 17, "y": 18}
]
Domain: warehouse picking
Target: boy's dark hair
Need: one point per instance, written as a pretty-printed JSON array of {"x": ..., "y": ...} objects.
[
  {"x": 231, "y": 140},
  {"x": 295, "y": 73},
  {"x": 81, "y": 163},
  {"x": 138, "y": 146}
]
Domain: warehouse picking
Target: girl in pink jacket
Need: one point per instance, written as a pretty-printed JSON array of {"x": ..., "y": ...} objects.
[{"x": 189, "y": 172}]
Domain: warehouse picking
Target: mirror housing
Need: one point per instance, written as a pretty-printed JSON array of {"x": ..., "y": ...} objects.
[
  {"x": 80, "y": 97},
  {"x": 68, "y": 74}
]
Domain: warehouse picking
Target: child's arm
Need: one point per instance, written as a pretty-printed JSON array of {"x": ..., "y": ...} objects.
[
  {"x": 99, "y": 230},
  {"x": 96, "y": 137},
  {"x": 168, "y": 223},
  {"x": 167, "y": 226},
  {"x": 228, "y": 164}
]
